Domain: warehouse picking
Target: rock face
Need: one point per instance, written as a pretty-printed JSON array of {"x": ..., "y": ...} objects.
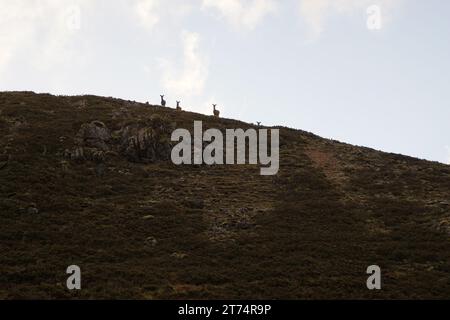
[
  {"x": 32, "y": 209},
  {"x": 81, "y": 154},
  {"x": 151, "y": 241},
  {"x": 141, "y": 141},
  {"x": 94, "y": 135},
  {"x": 145, "y": 143}
]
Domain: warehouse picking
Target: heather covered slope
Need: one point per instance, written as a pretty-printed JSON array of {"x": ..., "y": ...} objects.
[{"x": 151, "y": 230}]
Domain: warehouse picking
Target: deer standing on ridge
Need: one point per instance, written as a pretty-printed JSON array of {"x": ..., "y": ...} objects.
[
  {"x": 163, "y": 102},
  {"x": 215, "y": 111}
]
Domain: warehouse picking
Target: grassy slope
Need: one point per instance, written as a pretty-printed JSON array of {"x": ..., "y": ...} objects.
[{"x": 309, "y": 232}]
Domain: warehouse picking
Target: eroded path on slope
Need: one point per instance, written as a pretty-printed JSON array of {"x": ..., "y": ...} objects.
[{"x": 392, "y": 201}]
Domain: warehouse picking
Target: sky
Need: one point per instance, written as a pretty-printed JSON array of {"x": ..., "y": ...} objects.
[{"x": 374, "y": 73}]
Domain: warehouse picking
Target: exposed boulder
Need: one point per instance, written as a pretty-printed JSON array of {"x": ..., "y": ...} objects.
[
  {"x": 80, "y": 154},
  {"x": 76, "y": 154},
  {"x": 146, "y": 141},
  {"x": 32, "y": 209},
  {"x": 151, "y": 241},
  {"x": 94, "y": 135},
  {"x": 179, "y": 255}
]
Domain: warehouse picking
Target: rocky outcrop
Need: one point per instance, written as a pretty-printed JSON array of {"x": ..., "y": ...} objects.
[
  {"x": 94, "y": 135},
  {"x": 81, "y": 154},
  {"x": 32, "y": 209},
  {"x": 141, "y": 141},
  {"x": 146, "y": 141}
]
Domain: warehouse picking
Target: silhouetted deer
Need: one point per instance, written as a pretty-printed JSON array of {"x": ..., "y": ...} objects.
[
  {"x": 178, "y": 106},
  {"x": 163, "y": 102},
  {"x": 215, "y": 111}
]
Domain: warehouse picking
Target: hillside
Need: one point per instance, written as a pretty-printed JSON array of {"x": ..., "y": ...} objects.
[{"x": 141, "y": 227}]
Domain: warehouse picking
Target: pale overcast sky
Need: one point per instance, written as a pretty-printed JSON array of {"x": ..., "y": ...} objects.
[{"x": 326, "y": 66}]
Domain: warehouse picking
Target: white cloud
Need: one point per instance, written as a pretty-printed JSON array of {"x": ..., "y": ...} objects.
[
  {"x": 190, "y": 79},
  {"x": 316, "y": 12},
  {"x": 242, "y": 14},
  {"x": 16, "y": 27},
  {"x": 152, "y": 13},
  {"x": 147, "y": 12},
  {"x": 42, "y": 29}
]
